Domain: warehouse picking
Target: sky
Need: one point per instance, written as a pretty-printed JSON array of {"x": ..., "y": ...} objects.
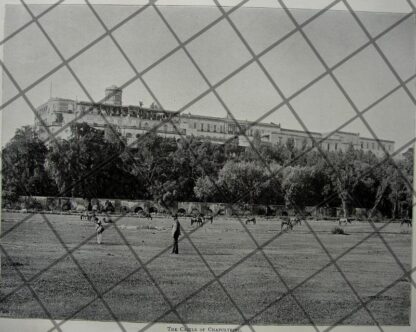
[{"x": 218, "y": 52}]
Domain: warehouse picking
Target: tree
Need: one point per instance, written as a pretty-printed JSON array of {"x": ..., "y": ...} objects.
[
  {"x": 297, "y": 186},
  {"x": 243, "y": 180},
  {"x": 382, "y": 179},
  {"x": 345, "y": 172},
  {"x": 23, "y": 166},
  {"x": 401, "y": 190},
  {"x": 290, "y": 146},
  {"x": 272, "y": 191},
  {"x": 205, "y": 189},
  {"x": 88, "y": 166}
]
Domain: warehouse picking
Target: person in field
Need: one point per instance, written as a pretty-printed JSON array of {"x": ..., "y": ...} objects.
[
  {"x": 99, "y": 228},
  {"x": 176, "y": 232}
]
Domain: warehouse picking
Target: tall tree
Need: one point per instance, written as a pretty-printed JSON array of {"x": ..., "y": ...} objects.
[
  {"x": 242, "y": 180},
  {"x": 23, "y": 166},
  {"x": 346, "y": 172},
  {"x": 297, "y": 186}
]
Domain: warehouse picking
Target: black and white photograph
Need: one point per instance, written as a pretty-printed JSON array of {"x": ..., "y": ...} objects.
[{"x": 210, "y": 166}]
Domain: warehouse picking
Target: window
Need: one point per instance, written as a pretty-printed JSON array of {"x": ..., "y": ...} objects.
[
  {"x": 362, "y": 145},
  {"x": 165, "y": 128},
  {"x": 194, "y": 125},
  {"x": 215, "y": 128},
  {"x": 202, "y": 127},
  {"x": 208, "y": 127},
  {"x": 336, "y": 146},
  {"x": 328, "y": 146}
]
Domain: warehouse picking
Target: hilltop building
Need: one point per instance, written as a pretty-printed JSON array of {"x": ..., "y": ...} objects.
[{"x": 133, "y": 120}]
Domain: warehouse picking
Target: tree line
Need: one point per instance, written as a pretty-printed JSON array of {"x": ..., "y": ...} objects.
[{"x": 94, "y": 163}]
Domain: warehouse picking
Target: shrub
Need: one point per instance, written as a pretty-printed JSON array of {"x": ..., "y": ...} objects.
[{"x": 338, "y": 230}]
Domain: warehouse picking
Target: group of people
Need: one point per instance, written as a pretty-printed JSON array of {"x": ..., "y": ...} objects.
[{"x": 176, "y": 231}]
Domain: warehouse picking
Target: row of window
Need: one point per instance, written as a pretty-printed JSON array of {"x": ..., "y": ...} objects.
[
  {"x": 374, "y": 145},
  {"x": 43, "y": 109},
  {"x": 207, "y": 127},
  {"x": 164, "y": 130},
  {"x": 232, "y": 129}
]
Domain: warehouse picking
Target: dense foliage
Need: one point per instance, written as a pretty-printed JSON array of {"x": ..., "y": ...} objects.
[{"x": 94, "y": 163}]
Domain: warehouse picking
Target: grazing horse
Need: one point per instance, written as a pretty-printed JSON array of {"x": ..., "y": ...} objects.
[
  {"x": 295, "y": 220},
  {"x": 208, "y": 218},
  {"x": 288, "y": 223},
  {"x": 145, "y": 215},
  {"x": 406, "y": 221},
  {"x": 197, "y": 220},
  {"x": 344, "y": 221},
  {"x": 251, "y": 220}
]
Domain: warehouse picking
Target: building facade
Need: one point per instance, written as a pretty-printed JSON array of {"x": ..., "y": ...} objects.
[{"x": 133, "y": 120}]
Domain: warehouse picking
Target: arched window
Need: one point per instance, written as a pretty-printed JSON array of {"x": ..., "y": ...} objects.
[{"x": 165, "y": 128}]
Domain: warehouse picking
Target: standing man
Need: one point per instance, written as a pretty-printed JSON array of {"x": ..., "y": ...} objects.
[
  {"x": 99, "y": 228},
  {"x": 176, "y": 232}
]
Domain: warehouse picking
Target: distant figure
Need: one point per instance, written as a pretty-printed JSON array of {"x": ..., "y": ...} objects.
[
  {"x": 251, "y": 220},
  {"x": 199, "y": 220},
  {"x": 209, "y": 218},
  {"x": 287, "y": 224},
  {"x": 345, "y": 221},
  {"x": 406, "y": 221},
  {"x": 99, "y": 228},
  {"x": 176, "y": 232}
]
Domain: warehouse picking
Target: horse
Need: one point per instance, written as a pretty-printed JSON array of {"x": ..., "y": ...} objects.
[
  {"x": 345, "y": 221},
  {"x": 197, "y": 220},
  {"x": 251, "y": 220},
  {"x": 295, "y": 220},
  {"x": 406, "y": 221},
  {"x": 145, "y": 215},
  {"x": 287, "y": 223},
  {"x": 208, "y": 218}
]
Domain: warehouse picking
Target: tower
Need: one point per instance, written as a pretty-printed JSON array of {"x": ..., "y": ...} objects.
[{"x": 113, "y": 95}]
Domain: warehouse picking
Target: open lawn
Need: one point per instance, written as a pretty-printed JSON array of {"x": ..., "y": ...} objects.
[{"x": 253, "y": 287}]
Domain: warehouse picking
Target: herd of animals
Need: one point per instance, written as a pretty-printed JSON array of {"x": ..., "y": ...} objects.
[{"x": 287, "y": 223}]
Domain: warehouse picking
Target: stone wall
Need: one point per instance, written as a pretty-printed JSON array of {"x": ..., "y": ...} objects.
[{"x": 186, "y": 208}]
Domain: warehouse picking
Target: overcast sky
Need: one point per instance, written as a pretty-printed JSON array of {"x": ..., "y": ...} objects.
[{"x": 218, "y": 52}]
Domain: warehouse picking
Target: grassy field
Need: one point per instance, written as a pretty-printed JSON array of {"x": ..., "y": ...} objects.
[{"x": 257, "y": 285}]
